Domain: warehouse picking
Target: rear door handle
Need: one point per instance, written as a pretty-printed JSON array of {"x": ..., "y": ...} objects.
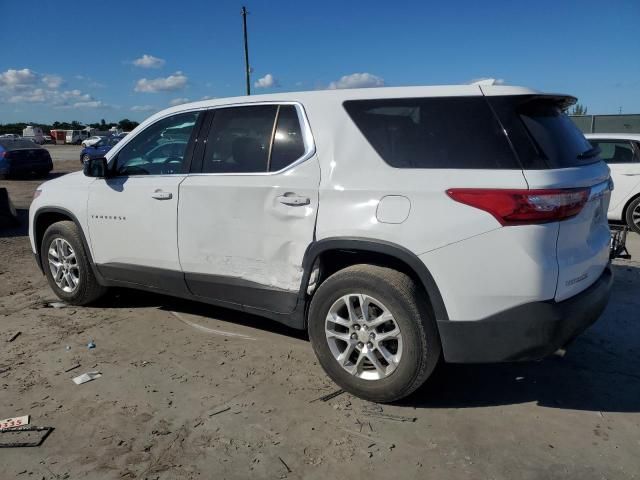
[
  {"x": 293, "y": 200},
  {"x": 160, "y": 195}
]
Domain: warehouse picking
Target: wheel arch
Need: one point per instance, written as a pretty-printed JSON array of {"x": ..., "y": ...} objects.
[
  {"x": 47, "y": 216},
  {"x": 330, "y": 255},
  {"x": 626, "y": 206}
]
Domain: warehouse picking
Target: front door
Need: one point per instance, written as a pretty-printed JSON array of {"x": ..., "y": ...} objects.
[
  {"x": 133, "y": 215},
  {"x": 247, "y": 212}
]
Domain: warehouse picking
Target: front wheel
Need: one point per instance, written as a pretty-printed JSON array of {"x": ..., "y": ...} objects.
[
  {"x": 67, "y": 265},
  {"x": 374, "y": 332},
  {"x": 633, "y": 215}
]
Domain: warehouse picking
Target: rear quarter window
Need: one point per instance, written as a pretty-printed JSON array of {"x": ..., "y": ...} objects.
[
  {"x": 543, "y": 136},
  {"x": 439, "y": 132}
]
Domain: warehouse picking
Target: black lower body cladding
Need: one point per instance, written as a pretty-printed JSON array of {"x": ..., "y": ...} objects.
[{"x": 527, "y": 332}]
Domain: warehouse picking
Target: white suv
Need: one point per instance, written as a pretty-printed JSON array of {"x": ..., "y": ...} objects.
[
  {"x": 622, "y": 152},
  {"x": 398, "y": 225}
]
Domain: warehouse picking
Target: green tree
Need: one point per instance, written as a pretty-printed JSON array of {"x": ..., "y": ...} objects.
[
  {"x": 578, "y": 109},
  {"x": 127, "y": 125}
]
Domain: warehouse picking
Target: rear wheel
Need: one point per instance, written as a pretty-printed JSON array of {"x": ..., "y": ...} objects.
[
  {"x": 373, "y": 332},
  {"x": 633, "y": 215},
  {"x": 67, "y": 265}
]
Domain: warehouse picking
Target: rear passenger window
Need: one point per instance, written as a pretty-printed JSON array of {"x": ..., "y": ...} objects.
[
  {"x": 240, "y": 139},
  {"x": 614, "y": 152},
  {"x": 442, "y": 132},
  {"x": 288, "y": 145}
]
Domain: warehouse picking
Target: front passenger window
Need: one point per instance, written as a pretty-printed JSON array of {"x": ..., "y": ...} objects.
[{"x": 159, "y": 149}]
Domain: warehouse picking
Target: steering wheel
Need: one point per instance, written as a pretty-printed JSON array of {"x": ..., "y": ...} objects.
[{"x": 171, "y": 164}]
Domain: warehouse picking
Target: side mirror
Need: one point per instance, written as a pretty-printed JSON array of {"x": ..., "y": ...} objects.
[{"x": 96, "y": 167}]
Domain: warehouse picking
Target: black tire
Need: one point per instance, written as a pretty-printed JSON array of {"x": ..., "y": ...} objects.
[
  {"x": 406, "y": 301},
  {"x": 634, "y": 206},
  {"x": 88, "y": 289}
]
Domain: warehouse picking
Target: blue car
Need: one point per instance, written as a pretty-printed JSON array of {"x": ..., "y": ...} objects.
[{"x": 99, "y": 149}]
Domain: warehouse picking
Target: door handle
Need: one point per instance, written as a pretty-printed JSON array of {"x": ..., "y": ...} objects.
[
  {"x": 160, "y": 195},
  {"x": 293, "y": 200}
]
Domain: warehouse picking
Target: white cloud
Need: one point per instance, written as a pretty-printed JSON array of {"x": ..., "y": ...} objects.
[
  {"x": 142, "y": 108},
  {"x": 267, "y": 81},
  {"x": 17, "y": 79},
  {"x": 357, "y": 80},
  {"x": 90, "y": 104},
  {"x": 148, "y": 61},
  {"x": 207, "y": 97},
  {"x": 177, "y": 81},
  {"x": 52, "y": 81},
  {"x": 37, "y": 95},
  {"x": 487, "y": 81},
  {"x": 178, "y": 101}
]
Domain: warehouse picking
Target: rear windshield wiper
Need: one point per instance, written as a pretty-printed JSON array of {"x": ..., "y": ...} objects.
[{"x": 592, "y": 152}]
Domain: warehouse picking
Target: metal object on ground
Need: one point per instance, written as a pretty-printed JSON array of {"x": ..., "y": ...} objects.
[
  {"x": 619, "y": 242},
  {"x": 24, "y": 430},
  {"x": 328, "y": 396}
]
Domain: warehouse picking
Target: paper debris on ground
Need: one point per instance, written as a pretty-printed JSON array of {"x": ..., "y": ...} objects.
[
  {"x": 86, "y": 377},
  {"x": 14, "y": 422}
]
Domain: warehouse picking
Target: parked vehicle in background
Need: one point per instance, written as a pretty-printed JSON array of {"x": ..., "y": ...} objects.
[
  {"x": 10, "y": 135},
  {"x": 23, "y": 157},
  {"x": 91, "y": 140},
  {"x": 74, "y": 137},
  {"x": 34, "y": 134},
  {"x": 398, "y": 226},
  {"x": 621, "y": 151},
  {"x": 98, "y": 149},
  {"x": 48, "y": 139}
]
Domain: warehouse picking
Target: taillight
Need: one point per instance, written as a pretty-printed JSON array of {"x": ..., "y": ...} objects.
[{"x": 521, "y": 207}]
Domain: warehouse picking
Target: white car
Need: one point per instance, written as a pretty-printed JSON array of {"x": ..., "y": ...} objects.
[
  {"x": 621, "y": 151},
  {"x": 91, "y": 141},
  {"x": 400, "y": 226}
]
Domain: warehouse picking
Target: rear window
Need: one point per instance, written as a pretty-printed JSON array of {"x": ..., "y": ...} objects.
[
  {"x": 17, "y": 144},
  {"x": 543, "y": 136},
  {"x": 440, "y": 132}
]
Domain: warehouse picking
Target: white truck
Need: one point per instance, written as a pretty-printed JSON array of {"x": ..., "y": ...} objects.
[{"x": 33, "y": 133}]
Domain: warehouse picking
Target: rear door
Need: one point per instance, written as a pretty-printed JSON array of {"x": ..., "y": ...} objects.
[
  {"x": 623, "y": 159},
  {"x": 556, "y": 155},
  {"x": 247, "y": 212}
]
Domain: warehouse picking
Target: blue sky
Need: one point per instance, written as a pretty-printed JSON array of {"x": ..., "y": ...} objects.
[{"x": 77, "y": 60}]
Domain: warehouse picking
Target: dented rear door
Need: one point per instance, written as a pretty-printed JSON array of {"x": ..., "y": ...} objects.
[{"x": 243, "y": 223}]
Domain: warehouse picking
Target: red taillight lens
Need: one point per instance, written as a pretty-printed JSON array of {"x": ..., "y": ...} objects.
[{"x": 521, "y": 207}]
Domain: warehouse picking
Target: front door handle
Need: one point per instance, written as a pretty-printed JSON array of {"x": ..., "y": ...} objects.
[
  {"x": 293, "y": 200},
  {"x": 160, "y": 195}
]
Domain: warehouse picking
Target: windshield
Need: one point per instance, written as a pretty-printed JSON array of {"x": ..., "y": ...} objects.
[{"x": 107, "y": 142}]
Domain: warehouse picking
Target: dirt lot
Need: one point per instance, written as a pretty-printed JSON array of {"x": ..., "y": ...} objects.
[{"x": 191, "y": 391}]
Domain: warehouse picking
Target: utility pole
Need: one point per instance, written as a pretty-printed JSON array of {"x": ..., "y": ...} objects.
[{"x": 246, "y": 50}]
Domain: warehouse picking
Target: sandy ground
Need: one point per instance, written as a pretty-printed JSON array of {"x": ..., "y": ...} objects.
[{"x": 192, "y": 391}]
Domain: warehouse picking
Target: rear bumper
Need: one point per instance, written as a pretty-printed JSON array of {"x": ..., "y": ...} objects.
[{"x": 526, "y": 332}]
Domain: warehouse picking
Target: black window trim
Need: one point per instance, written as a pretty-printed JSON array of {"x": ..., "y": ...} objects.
[
  {"x": 307, "y": 138},
  {"x": 112, "y": 161}
]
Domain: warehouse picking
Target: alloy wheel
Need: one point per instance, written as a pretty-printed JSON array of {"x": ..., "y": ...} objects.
[
  {"x": 63, "y": 265},
  {"x": 363, "y": 336}
]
